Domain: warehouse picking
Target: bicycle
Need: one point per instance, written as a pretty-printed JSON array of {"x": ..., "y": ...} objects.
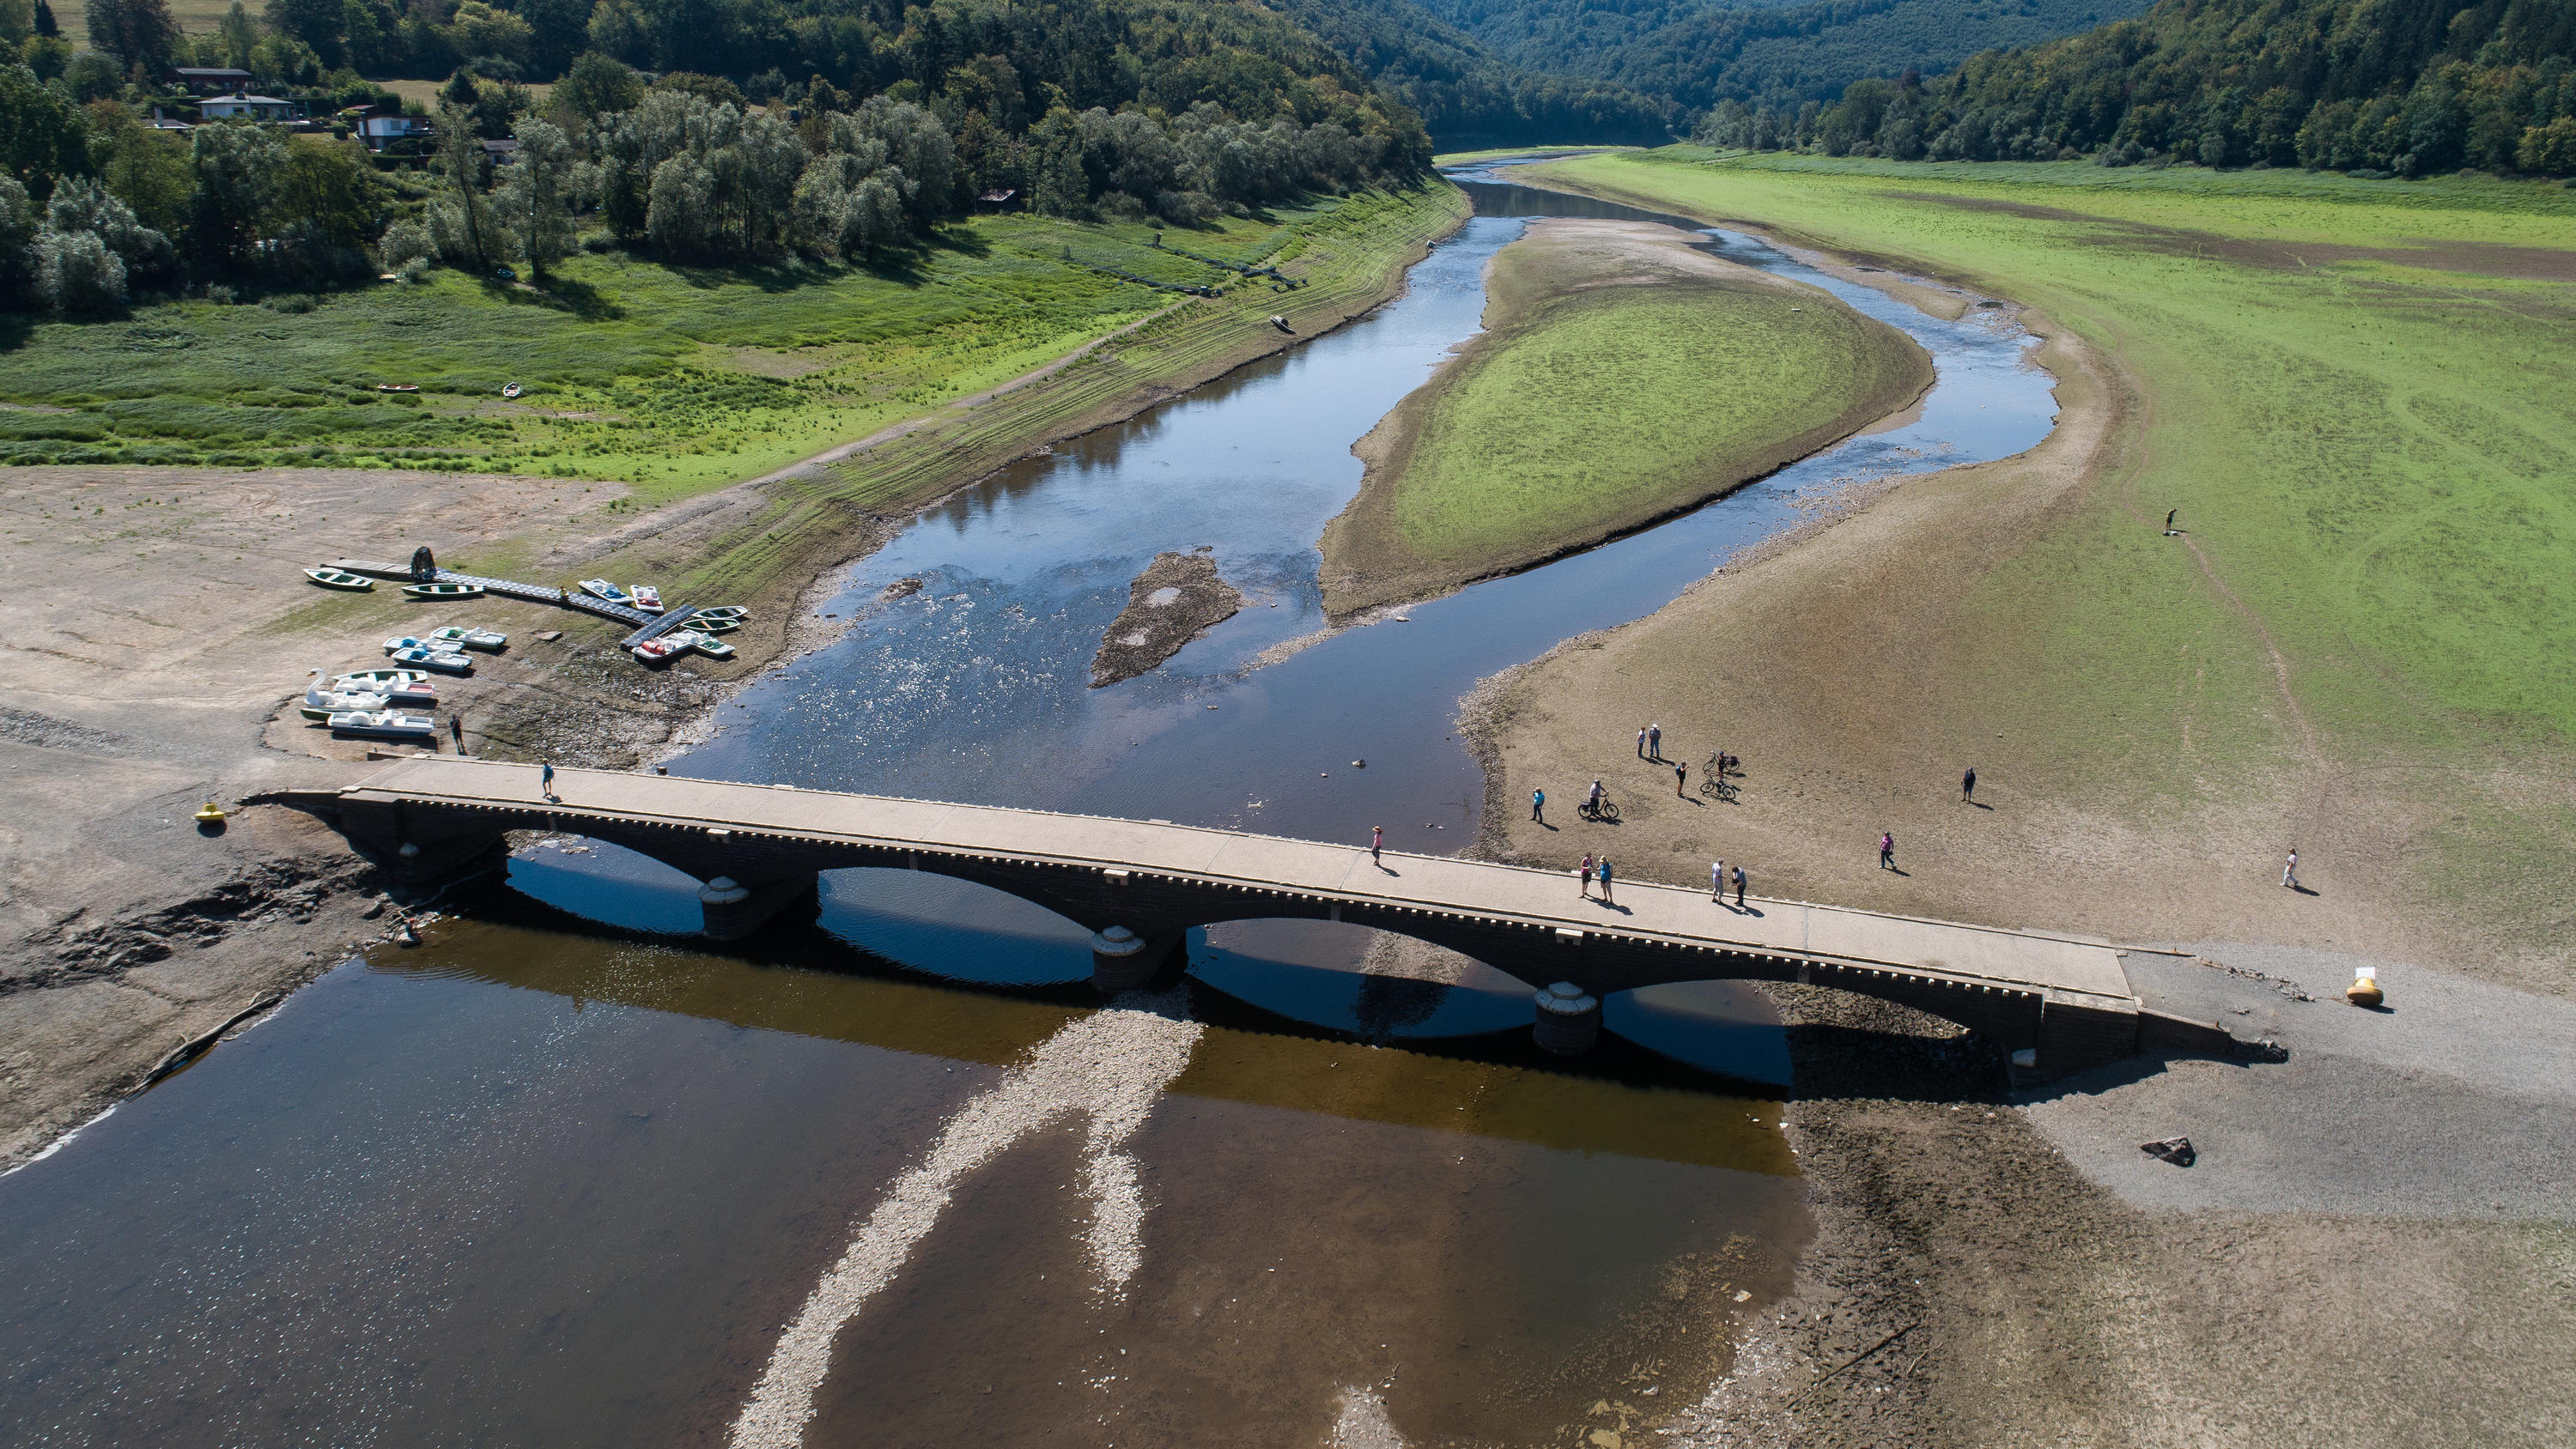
[
  {"x": 1718, "y": 787},
  {"x": 1606, "y": 812}
]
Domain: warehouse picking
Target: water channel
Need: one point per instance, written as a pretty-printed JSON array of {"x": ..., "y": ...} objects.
[{"x": 558, "y": 1176}]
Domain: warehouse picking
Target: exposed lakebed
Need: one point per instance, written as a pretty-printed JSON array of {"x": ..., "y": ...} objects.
[{"x": 536, "y": 1181}]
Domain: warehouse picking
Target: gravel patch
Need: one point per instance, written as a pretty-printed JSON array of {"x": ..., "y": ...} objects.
[{"x": 1111, "y": 1067}]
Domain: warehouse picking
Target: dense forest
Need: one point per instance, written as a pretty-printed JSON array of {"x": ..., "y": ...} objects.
[
  {"x": 1696, "y": 53},
  {"x": 897, "y": 120},
  {"x": 2372, "y": 87},
  {"x": 1467, "y": 96}
]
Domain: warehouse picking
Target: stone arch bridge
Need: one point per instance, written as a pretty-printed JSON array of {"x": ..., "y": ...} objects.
[{"x": 1139, "y": 885}]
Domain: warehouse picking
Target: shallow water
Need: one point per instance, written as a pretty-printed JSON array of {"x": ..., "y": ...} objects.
[{"x": 537, "y": 1181}]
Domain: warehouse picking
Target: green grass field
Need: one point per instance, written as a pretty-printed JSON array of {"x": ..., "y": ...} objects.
[
  {"x": 1619, "y": 379},
  {"x": 2358, "y": 395},
  {"x": 1627, "y": 401},
  {"x": 671, "y": 379}
]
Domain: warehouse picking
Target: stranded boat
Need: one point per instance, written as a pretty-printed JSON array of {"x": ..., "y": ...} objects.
[
  {"x": 444, "y": 591},
  {"x": 383, "y": 724},
  {"x": 645, "y": 597},
  {"x": 320, "y": 704},
  {"x": 655, "y": 651},
  {"x": 706, "y": 644},
  {"x": 407, "y": 650},
  {"x": 340, "y": 579},
  {"x": 466, "y": 636},
  {"x": 603, "y": 589},
  {"x": 731, "y": 612},
  {"x": 705, "y": 625}
]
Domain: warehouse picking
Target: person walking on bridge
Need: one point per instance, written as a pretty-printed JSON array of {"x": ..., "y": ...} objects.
[
  {"x": 1739, "y": 887},
  {"x": 1717, "y": 879},
  {"x": 1886, "y": 850},
  {"x": 1605, "y": 880},
  {"x": 1377, "y": 844},
  {"x": 1583, "y": 875},
  {"x": 1538, "y": 806},
  {"x": 546, "y": 780}
]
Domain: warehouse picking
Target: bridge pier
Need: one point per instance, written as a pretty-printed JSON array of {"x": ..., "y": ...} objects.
[
  {"x": 1569, "y": 1019},
  {"x": 1121, "y": 960},
  {"x": 731, "y": 910}
]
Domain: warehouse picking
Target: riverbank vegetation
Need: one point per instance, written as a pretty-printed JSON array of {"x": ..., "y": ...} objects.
[
  {"x": 2354, "y": 392},
  {"x": 1622, "y": 376}
]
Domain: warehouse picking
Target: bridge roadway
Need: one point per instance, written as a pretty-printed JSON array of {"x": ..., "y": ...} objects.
[{"x": 1140, "y": 885}]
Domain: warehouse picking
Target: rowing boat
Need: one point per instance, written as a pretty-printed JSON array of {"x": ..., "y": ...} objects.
[
  {"x": 340, "y": 579},
  {"x": 444, "y": 591}
]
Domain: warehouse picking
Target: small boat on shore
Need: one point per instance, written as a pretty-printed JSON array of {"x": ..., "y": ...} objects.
[
  {"x": 384, "y": 724},
  {"x": 320, "y": 704},
  {"x": 732, "y": 612},
  {"x": 656, "y": 651},
  {"x": 444, "y": 591},
  {"x": 380, "y": 680},
  {"x": 341, "y": 579},
  {"x": 428, "y": 656},
  {"x": 645, "y": 597},
  {"x": 465, "y": 636},
  {"x": 705, "y": 625},
  {"x": 706, "y": 644},
  {"x": 603, "y": 589}
]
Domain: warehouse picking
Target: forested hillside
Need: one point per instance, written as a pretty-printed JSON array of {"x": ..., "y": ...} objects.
[
  {"x": 1697, "y": 53},
  {"x": 1469, "y": 97},
  {"x": 2403, "y": 87}
]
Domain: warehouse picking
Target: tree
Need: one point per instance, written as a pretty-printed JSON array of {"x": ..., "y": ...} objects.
[
  {"x": 92, "y": 76},
  {"x": 149, "y": 171},
  {"x": 17, "y": 23},
  {"x": 595, "y": 86},
  {"x": 460, "y": 156},
  {"x": 531, "y": 199},
  {"x": 42, "y": 134},
  {"x": 143, "y": 32},
  {"x": 318, "y": 23},
  {"x": 76, "y": 272},
  {"x": 236, "y": 165},
  {"x": 17, "y": 228},
  {"x": 45, "y": 23},
  {"x": 328, "y": 187},
  {"x": 237, "y": 36}
]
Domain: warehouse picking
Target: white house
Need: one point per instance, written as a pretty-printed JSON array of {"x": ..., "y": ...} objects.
[
  {"x": 376, "y": 131},
  {"x": 245, "y": 107}
]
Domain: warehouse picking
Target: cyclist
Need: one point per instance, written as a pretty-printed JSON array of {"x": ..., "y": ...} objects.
[{"x": 1594, "y": 804}]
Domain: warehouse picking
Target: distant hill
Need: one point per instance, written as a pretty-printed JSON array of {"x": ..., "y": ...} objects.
[
  {"x": 2406, "y": 87},
  {"x": 1696, "y": 53},
  {"x": 1467, "y": 95}
]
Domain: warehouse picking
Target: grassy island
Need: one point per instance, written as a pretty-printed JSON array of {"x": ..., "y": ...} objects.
[{"x": 1622, "y": 377}]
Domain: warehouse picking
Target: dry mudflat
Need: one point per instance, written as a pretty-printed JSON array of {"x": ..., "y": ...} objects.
[{"x": 2374, "y": 1245}]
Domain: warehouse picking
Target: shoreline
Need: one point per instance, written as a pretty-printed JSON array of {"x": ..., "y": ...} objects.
[{"x": 158, "y": 933}]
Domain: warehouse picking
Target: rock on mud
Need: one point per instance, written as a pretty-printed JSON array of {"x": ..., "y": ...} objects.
[{"x": 1176, "y": 599}]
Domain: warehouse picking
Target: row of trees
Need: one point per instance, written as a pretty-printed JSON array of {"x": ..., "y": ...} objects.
[{"x": 2402, "y": 87}]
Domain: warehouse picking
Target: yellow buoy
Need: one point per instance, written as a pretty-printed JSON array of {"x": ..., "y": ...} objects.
[
  {"x": 210, "y": 812},
  {"x": 2364, "y": 990}
]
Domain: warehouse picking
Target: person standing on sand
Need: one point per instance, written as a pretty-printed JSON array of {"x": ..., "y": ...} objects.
[
  {"x": 1654, "y": 742},
  {"x": 1377, "y": 843},
  {"x": 546, "y": 780},
  {"x": 1968, "y": 787},
  {"x": 1538, "y": 806},
  {"x": 1641, "y": 742},
  {"x": 2290, "y": 871},
  {"x": 1596, "y": 797},
  {"x": 1583, "y": 873},
  {"x": 456, "y": 731},
  {"x": 1681, "y": 775},
  {"x": 1604, "y": 873},
  {"x": 1739, "y": 888},
  {"x": 1717, "y": 879},
  {"x": 1886, "y": 851}
]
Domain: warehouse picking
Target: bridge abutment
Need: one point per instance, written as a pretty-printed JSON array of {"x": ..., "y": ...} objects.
[
  {"x": 1569, "y": 1019},
  {"x": 730, "y": 909},
  {"x": 1123, "y": 960}
]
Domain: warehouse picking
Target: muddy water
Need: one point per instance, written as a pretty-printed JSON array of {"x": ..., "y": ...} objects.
[{"x": 538, "y": 1181}]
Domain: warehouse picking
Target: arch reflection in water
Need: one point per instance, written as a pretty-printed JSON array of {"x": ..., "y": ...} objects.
[
  {"x": 608, "y": 884},
  {"x": 953, "y": 928}
]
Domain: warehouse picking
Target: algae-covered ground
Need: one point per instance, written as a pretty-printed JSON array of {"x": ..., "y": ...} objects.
[
  {"x": 2356, "y": 393},
  {"x": 671, "y": 379},
  {"x": 1622, "y": 376}
]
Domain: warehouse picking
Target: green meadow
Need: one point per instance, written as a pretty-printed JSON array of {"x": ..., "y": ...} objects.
[
  {"x": 671, "y": 379},
  {"x": 2361, "y": 396}
]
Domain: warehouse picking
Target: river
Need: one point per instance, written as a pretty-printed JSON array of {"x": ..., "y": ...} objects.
[{"x": 558, "y": 1177}]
